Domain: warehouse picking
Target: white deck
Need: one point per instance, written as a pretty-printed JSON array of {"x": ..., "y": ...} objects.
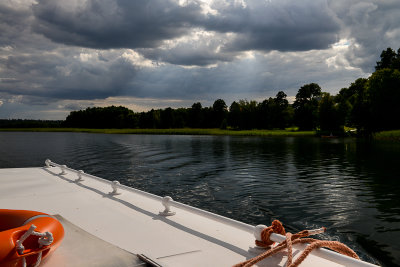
[{"x": 132, "y": 222}]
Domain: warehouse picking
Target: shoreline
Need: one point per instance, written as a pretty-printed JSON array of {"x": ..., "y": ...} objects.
[
  {"x": 392, "y": 135},
  {"x": 178, "y": 131}
]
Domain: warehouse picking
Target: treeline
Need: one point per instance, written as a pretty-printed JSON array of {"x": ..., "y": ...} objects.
[
  {"x": 102, "y": 118},
  {"x": 18, "y": 123},
  {"x": 312, "y": 109},
  {"x": 271, "y": 113},
  {"x": 370, "y": 105}
]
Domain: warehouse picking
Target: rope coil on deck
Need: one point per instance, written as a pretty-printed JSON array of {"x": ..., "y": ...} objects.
[
  {"x": 276, "y": 227},
  {"x": 292, "y": 239},
  {"x": 45, "y": 239}
]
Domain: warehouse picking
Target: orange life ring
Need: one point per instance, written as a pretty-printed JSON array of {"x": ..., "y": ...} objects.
[{"x": 14, "y": 224}]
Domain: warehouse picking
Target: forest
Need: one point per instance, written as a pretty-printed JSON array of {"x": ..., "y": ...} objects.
[
  {"x": 19, "y": 123},
  {"x": 369, "y": 105}
]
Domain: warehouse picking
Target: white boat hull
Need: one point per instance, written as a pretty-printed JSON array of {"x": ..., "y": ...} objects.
[{"x": 131, "y": 220}]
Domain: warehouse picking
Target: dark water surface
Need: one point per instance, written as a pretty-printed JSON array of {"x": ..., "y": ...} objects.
[{"x": 351, "y": 187}]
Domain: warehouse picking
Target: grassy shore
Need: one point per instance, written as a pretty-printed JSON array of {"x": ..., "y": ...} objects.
[
  {"x": 388, "y": 135},
  {"x": 385, "y": 135},
  {"x": 183, "y": 131}
]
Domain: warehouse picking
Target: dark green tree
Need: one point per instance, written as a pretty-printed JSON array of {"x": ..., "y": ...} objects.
[
  {"x": 265, "y": 111},
  {"x": 281, "y": 117},
  {"x": 389, "y": 60},
  {"x": 344, "y": 107},
  {"x": 352, "y": 104},
  {"x": 167, "y": 118},
  {"x": 220, "y": 110},
  {"x": 248, "y": 118},
  {"x": 150, "y": 119},
  {"x": 209, "y": 118},
  {"x": 329, "y": 115},
  {"x": 306, "y": 106},
  {"x": 234, "y": 115},
  {"x": 359, "y": 113},
  {"x": 181, "y": 118},
  {"x": 196, "y": 116},
  {"x": 383, "y": 93},
  {"x": 98, "y": 117}
]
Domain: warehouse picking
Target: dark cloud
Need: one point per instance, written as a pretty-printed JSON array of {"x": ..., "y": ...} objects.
[
  {"x": 114, "y": 23},
  {"x": 187, "y": 56},
  {"x": 15, "y": 28},
  {"x": 254, "y": 77},
  {"x": 259, "y": 25},
  {"x": 13, "y": 22},
  {"x": 76, "y": 106},
  {"x": 62, "y": 77},
  {"x": 254, "y": 25},
  {"x": 93, "y": 81},
  {"x": 276, "y": 25},
  {"x": 200, "y": 49}
]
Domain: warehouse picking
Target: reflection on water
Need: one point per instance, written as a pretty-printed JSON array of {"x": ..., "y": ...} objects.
[{"x": 350, "y": 187}]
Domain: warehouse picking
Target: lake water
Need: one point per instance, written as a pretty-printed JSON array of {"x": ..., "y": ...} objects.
[{"x": 350, "y": 187}]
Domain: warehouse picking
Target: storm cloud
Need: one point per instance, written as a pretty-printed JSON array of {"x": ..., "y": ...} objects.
[
  {"x": 276, "y": 25},
  {"x": 56, "y": 56},
  {"x": 255, "y": 25},
  {"x": 114, "y": 23}
]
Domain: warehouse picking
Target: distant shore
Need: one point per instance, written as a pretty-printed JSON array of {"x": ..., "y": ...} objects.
[
  {"x": 388, "y": 135},
  {"x": 384, "y": 135},
  {"x": 178, "y": 131}
]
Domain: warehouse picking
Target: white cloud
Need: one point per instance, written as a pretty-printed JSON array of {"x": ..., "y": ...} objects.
[
  {"x": 338, "y": 59},
  {"x": 371, "y": 27},
  {"x": 6, "y": 48},
  {"x": 136, "y": 59},
  {"x": 84, "y": 57}
]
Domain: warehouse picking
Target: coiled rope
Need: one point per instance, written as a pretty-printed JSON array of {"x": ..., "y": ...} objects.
[
  {"x": 292, "y": 239},
  {"x": 45, "y": 239}
]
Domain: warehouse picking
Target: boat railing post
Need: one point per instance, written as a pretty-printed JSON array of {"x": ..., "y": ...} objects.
[
  {"x": 114, "y": 186},
  {"x": 63, "y": 167},
  {"x": 166, "y": 202},
  {"x": 80, "y": 172},
  {"x": 47, "y": 162}
]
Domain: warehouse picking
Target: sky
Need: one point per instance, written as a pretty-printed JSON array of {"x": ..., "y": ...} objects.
[{"x": 60, "y": 56}]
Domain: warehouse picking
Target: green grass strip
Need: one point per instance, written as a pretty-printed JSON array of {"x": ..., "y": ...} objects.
[
  {"x": 180, "y": 131},
  {"x": 388, "y": 135}
]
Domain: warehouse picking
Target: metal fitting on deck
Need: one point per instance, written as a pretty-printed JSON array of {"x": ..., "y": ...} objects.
[
  {"x": 166, "y": 201},
  {"x": 47, "y": 162},
  {"x": 114, "y": 186},
  {"x": 80, "y": 172},
  {"x": 63, "y": 167}
]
